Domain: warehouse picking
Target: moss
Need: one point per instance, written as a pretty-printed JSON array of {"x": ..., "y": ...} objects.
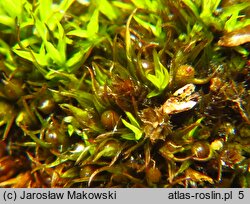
[{"x": 124, "y": 93}]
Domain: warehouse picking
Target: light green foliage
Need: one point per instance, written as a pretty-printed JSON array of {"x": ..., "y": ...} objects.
[
  {"x": 46, "y": 26},
  {"x": 45, "y": 35},
  {"x": 6, "y": 51},
  {"x": 160, "y": 78},
  {"x": 107, "y": 9},
  {"x": 227, "y": 19},
  {"x": 134, "y": 126},
  {"x": 152, "y": 5},
  {"x": 232, "y": 16},
  {"x": 10, "y": 11},
  {"x": 91, "y": 30},
  {"x": 156, "y": 29},
  {"x": 191, "y": 134},
  {"x": 48, "y": 45},
  {"x": 84, "y": 117},
  {"x": 87, "y": 83}
]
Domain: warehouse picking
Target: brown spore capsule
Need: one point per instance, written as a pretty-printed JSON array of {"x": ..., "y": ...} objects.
[
  {"x": 110, "y": 119},
  {"x": 153, "y": 175},
  {"x": 201, "y": 150},
  {"x": 46, "y": 106}
]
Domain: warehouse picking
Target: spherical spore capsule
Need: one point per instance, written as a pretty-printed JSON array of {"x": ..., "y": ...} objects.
[{"x": 110, "y": 119}]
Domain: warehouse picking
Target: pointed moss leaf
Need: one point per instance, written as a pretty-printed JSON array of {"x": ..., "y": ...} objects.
[
  {"x": 10, "y": 66},
  {"x": 61, "y": 34},
  {"x": 185, "y": 165},
  {"x": 106, "y": 8},
  {"x": 77, "y": 112},
  {"x": 242, "y": 24},
  {"x": 235, "y": 8},
  {"x": 58, "y": 13},
  {"x": 153, "y": 5},
  {"x": 54, "y": 53},
  {"x": 45, "y": 9},
  {"x": 191, "y": 5},
  {"x": 134, "y": 129},
  {"x": 132, "y": 119},
  {"x": 56, "y": 162},
  {"x": 192, "y": 132},
  {"x": 24, "y": 54},
  {"x": 28, "y": 7},
  {"x": 129, "y": 136},
  {"x": 70, "y": 173},
  {"x": 158, "y": 28},
  {"x": 6, "y": 50},
  {"x": 27, "y": 42},
  {"x": 108, "y": 151},
  {"x": 230, "y": 24},
  {"x": 140, "y": 3},
  {"x": 100, "y": 76},
  {"x": 87, "y": 143},
  {"x": 83, "y": 98},
  {"x": 129, "y": 51},
  {"x": 93, "y": 25},
  {"x": 85, "y": 117},
  {"x": 64, "y": 6},
  {"x": 61, "y": 42},
  {"x": 53, "y": 20},
  {"x": 153, "y": 93},
  {"x": 79, "y": 33},
  {"x": 41, "y": 29},
  {"x": 38, "y": 140},
  {"x": 133, "y": 125},
  {"x": 147, "y": 25},
  {"x": 244, "y": 52},
  {"x": 154, "y": 79},
  {"x": 75, "y": 58},
  {"x": 99, "y": 104},
  {"x": 42, "y": 50},
  {"x": 215, "y": 4},
  {"x": 123, "y": 5},
  {"x": 207, "y": 13},
  {"x": 232, "y": 17},
  {"x": 161, "y": 77},
  {"x": 209, "y": 6},
  {"x": 26, "y": 24},
  {"x": 61, "y": 75},
  {"x": 161, "y": 72},
  {"x": 7, "y": 21},
  {"x": 12, "y": 7},
  {"x": 41, "y": 59}
]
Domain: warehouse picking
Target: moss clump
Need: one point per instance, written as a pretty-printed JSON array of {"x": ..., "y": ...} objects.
[{"x": 124, "y": 93}]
